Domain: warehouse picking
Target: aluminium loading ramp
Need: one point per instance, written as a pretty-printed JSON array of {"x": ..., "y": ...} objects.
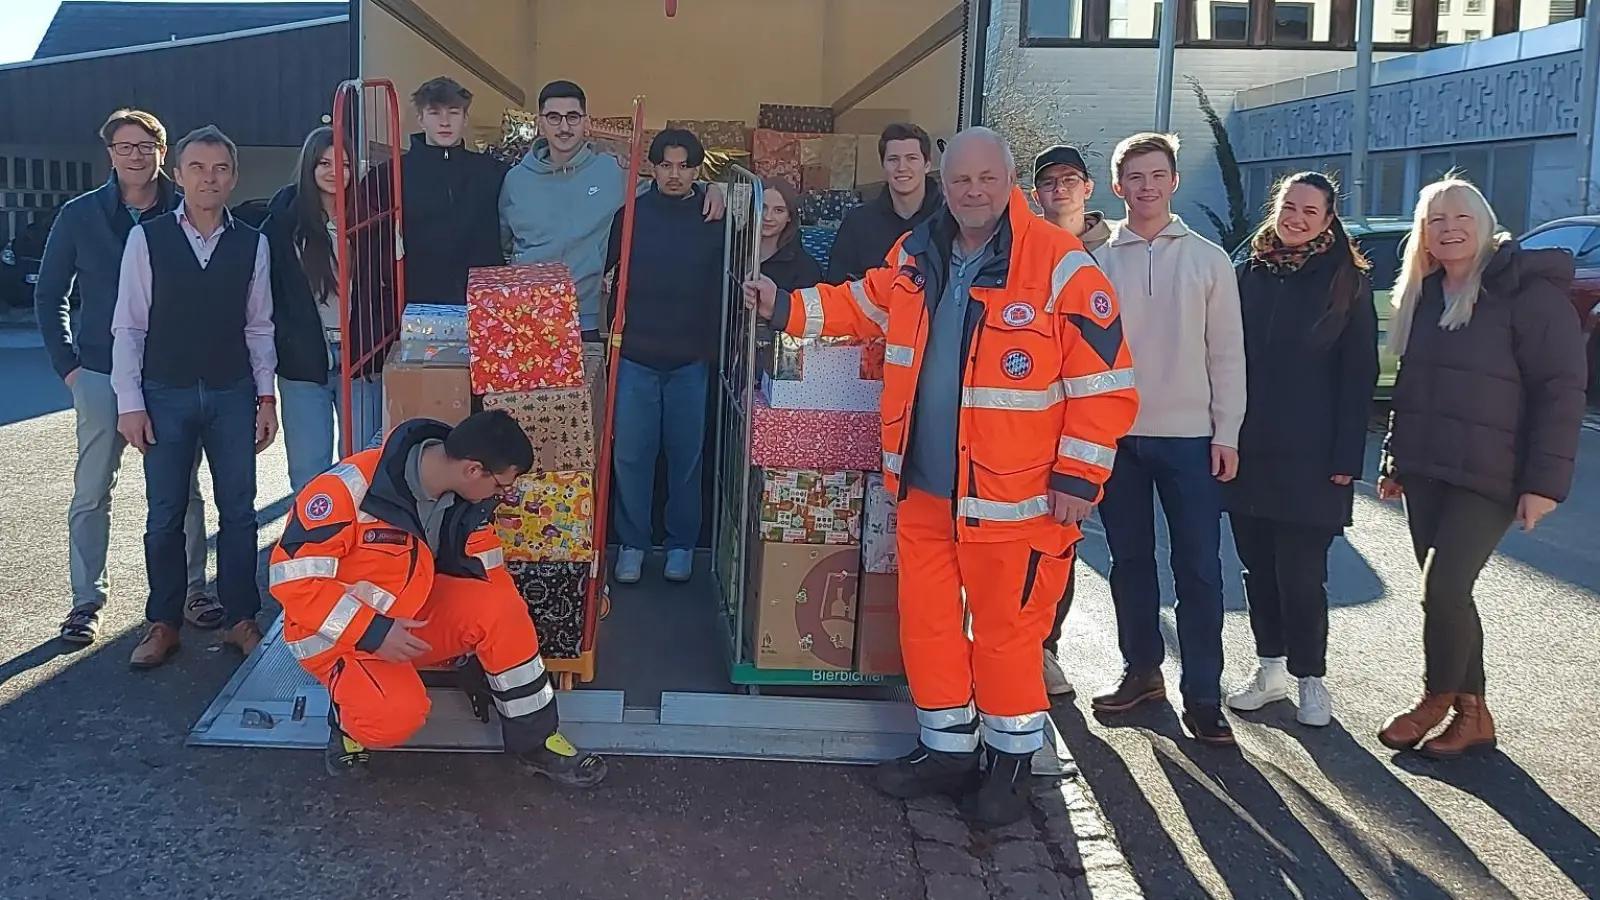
[{"x": 661, "y": 689}]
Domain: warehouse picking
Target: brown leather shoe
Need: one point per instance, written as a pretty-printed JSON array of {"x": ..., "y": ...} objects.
[
  {"x": 1471, "y": 731},
  {"x": 245, "y": 635},
  {"x": 1405, "y": 730},
  {"x": 156, "y": 647},
  {"x": 1136, "y": 688}
]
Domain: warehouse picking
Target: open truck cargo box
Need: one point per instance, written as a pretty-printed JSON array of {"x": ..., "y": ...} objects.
[{"x": 667, "y": 679}]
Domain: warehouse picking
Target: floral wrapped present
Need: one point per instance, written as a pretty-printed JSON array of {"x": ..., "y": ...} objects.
[
  {"x": 554, "y": 592},
  {"x": 775, "y": 154},
  {"x": 800, "y": 506},
  {"x": 872, "y": 359},
  {"x": 814, "y": 438},
  {"x": 716, "y": 134},
  {"x": 826, "y": 206},
  {"x": 548, "y": 516},
  {"x": 522, "y": 324},
  {"x": 842, "y": 164},
  {"x": 559, "y": 422}
]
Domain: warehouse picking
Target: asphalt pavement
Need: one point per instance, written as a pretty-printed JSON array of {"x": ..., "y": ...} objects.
[{"x": 100, "y": 798}]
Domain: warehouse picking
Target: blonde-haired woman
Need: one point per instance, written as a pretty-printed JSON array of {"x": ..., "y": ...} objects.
[{"x": 1484, "y": 432}]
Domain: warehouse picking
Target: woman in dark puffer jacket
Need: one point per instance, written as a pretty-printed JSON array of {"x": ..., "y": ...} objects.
[{"x": 1488, "y": 408}]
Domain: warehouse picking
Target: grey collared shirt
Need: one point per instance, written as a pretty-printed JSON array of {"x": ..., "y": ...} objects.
[{"x": 931, "y": 457}]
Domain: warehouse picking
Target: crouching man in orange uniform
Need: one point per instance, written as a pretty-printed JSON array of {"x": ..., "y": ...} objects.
[
  {"x": 389, "y": 563},
  {"x": 1006, "y": 386}
]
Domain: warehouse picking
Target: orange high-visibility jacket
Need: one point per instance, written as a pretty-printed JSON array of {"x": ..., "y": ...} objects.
[
  {"x": 353, "y": 558},
  {"x": 1047, "y": 380}
]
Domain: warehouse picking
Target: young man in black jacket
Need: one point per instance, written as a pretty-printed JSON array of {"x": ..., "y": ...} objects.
[
  {"x": 85, "y": 246},
  {"x": 451, "y": 215},
  {"x": 669, "y": 344},
  {"x": 910, "y": 195}
]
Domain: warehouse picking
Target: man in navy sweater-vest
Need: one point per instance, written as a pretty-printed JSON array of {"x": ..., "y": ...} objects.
[{"x": 192, "y": 362}]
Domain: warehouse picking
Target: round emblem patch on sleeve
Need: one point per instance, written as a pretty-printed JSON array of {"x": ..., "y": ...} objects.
[
  {"x": 1017, "y": 314},
  {"x": 1100, "y": 305},
  {"x": 1017, "y": 364},
  {"x": 318, "y": 508}
]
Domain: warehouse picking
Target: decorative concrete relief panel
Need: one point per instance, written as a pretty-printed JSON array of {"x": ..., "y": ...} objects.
[{"x": 1529, "y": 99}]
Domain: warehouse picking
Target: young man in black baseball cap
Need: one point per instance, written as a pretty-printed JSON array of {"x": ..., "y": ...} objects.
[{"x": 1062, "y": 187}]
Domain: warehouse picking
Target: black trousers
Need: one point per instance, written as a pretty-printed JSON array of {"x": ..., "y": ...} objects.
[
  {"x": 1454, "y": 532},
  {"x": 1053, "y": 642},
  {"x": 1285, "y": 583}
]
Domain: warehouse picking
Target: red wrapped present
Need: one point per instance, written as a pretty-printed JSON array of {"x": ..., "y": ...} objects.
[
  {"x": 522, "y": 329},
  {"x": 814, "y": 438},
  {"x": 872, "y": 360},
  {"x": 775, "y": 154}
]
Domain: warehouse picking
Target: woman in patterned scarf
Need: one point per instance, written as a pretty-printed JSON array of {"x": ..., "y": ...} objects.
[{"x": 1311, "y": 362}]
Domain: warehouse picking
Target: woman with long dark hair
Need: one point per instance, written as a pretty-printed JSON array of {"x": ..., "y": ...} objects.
[
  {"x": 783, "y": 259},
  {"x": 1311, "y": 365},
  {"x": 310, "y": 326}
]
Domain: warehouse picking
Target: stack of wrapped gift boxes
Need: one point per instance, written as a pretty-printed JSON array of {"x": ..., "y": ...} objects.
[
  {"x": 526, "y": 357},
  {"x": 824, "y": 588}
]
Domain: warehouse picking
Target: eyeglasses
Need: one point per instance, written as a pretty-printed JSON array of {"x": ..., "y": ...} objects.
[
  {"x": 554, "y": 118},
  {"x": 1051, "y": 185},
  {"x": 126, "y": 148}
]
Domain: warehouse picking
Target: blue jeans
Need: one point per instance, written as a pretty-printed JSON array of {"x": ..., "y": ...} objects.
[
  {"x": 222, "y": 422},
  {"x": 309, "y": 413},
  {"x": 1179, "y": 469},
  {"x": 659, "y": 410}
]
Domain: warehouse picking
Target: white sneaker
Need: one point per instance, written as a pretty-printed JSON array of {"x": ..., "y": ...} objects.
[
  {"x": 1055, "y": 680},
  {"x": 630, "y": 564},
  {"x": 1270, "y": 685},
  {"x": 1316, "y": 704}
]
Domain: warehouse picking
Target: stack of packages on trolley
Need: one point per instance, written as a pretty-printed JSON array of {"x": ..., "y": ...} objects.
[
  {"x": 824, "y": 585},
  {"x": 516, "y": 346}
]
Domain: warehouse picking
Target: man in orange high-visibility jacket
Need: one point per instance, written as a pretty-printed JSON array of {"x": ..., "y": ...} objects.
[
  {"x": 389, "y": 564},
  {"x": 1006, "y": 387}
]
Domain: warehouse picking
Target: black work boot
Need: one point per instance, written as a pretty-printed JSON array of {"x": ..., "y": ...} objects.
[
  {"x": 1134, "y": 689},
  {"x": 344, "y": 755},
  {"x": 1006, "y": 793},
  {"x": 559, "y": 761},
  {"x": 925, "y": 773}
]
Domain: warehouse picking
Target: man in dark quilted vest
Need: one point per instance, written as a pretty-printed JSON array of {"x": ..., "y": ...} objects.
[{"x": 192, "y": 362}]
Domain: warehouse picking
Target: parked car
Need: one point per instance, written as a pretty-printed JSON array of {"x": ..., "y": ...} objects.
[
  {"x": 1380, "y": 240},
  {"x": 19, "y": 262},
  {"x": 1580, "y": 236}
]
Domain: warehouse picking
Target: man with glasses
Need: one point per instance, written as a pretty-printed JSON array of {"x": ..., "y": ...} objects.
[
  {"x": 1062, "y": 188},
  {"x": 390, "y": 563},
  {"x": 85, "y": 247}
]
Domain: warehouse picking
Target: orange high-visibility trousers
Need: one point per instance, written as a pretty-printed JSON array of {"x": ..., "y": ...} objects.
[
  {"x": 382, "y": 704},
  {"x": 1011, "y": 590}
]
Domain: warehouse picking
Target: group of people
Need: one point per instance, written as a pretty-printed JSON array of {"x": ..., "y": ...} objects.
[{"x": 1037, "y": 368}]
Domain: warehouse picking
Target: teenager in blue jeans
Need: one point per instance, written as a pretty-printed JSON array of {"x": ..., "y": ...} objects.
[
  {"x": 310, "y": 331},
  {"x": 669, "y": 345}
]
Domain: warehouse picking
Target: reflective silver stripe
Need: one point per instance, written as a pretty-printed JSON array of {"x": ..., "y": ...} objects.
[
  {"x": 304, "y": 567},
  {"x": 1099, "y": 383},
  {"x": 1029, "y": 722},
  {"x": 491, "y": 558},
  {"x": 526, "y": 706},
  {"x": 1068, "y": 267},
  {"x": 1012, "y": 398},
  {"x": 372, "y": 595},
  {"x": 1017, "y": 744},
  {"x": 949, "y": 741},
  {"x": 891, "y": 462},
  {"x": 307, "y": 647},
  {"x": 902, "y": 259},
  {"x": 858, "y": 290},
  {"x": 356, "y": 484},
  {"x": 947, "y": 718},
  {"x": 517, "y": 676},
  {"x": 1083, "y": 451},
  {"x": 898, "y": 355},
  {"x": 997, "y": 511},
  {"x": 812, "y": 298},
  {"x": 339, "y": 618}
]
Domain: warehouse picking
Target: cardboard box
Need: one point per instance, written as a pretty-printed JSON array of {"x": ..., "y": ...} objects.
[
  {"x": 550, "y": 519},
  {"x": 878, "y": 548},
  {"x": 559, "y": 422},
  {"x": 808, "y": 507},
  {"x": 878, "y": 626},
  {"x": 423, "y": 390},
  {"x": 554, "y": 592},
  {"x": 805, "y": 615},
  {"x": 814, "y": 438},
  {"x": 522, "y": 324}
]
